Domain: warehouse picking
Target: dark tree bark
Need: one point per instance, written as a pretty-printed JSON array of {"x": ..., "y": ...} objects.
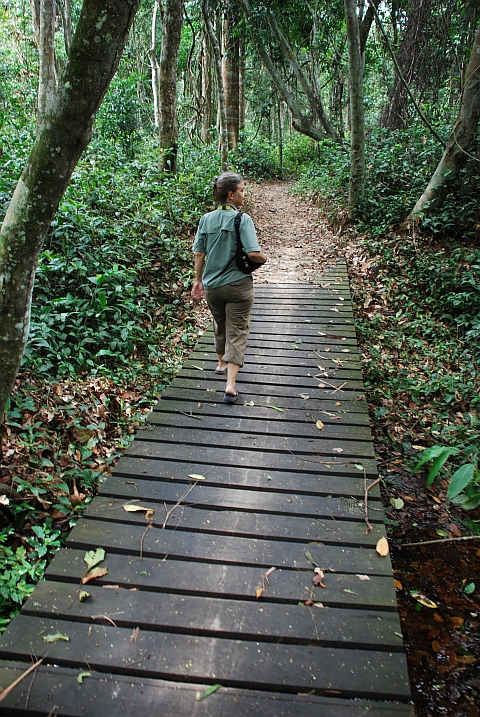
[
  {"x": 207, "y": 92},
  {"x": 456, "y": 151},
  {"x": 411, "y": 48},
  {"x": 230, "y": 74},
  {"x": 67, "y": 129},
  {"x": 167, "y": 86}
]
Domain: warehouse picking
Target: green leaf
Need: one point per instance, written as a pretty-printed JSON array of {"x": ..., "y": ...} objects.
[
  {"x": 469, "y": 589},
  {"x": 94, "y": 557},
  {"x": 83, "y": 595},
  {"x": 397, "y": 503},
  {"x": 209, "y": 691},
  {"x": 429, "y": 454},
  {"x": 438, "y": 464},
  {"x": 276, "y": 408},
  {"x": 81, "y": 677},
  {"x": 57, "y": 637},
  {"x": 460, "y": 479},
  {"x": 311, "y": 559}
]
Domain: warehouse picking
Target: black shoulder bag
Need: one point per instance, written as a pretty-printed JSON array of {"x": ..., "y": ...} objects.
[{"x": 244, "y": 263}]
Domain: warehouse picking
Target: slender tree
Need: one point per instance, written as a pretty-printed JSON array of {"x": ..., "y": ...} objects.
[
  {"x": 167, "y": 87},
  {"x": 456, "y": 151},
  {"x": 65, "y": 132},
  {"x": 356, "y": 187},
  {"x": 230, "y": 74},
  {"x": 154, "y": 66},
  {"x": 220, "y": 90},
  {"x": 44, "y": 14}
]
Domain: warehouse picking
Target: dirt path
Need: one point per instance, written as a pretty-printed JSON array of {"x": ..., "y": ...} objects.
[{"x": 291, "y": 233}]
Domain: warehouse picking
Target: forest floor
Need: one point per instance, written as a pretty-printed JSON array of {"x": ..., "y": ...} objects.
[{"x": 434, "y": 583}]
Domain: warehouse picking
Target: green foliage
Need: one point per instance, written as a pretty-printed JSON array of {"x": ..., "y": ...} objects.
[
  {"x": 464, "y": 485},
  {"x": 22, "y": 565},
  {"x": 257, "y": 158}
]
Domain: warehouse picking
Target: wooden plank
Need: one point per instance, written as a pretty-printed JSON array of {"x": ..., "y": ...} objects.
[
  {"x": 236, "y": 522},
  {"x": 266, "y": 378},
  {"x": 288, "y": 358},
  {"x": 57, "y": 688},
  {"x": 282, "y": 426},
  {"x": 258, "y": 501},
  {"x": 205, "y": 410},
  {"x": 217, "y": 580},
  {"x": 321, "y": 481},
  {"x": 188, "y": 545},
  {"x": 225, "y": 457},
  {"x": 353, "y": 673},
  {"x": 221, "y": 618}
]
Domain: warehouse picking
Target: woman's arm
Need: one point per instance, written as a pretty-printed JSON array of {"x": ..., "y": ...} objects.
[
  {"x": 197, "y": 288},
  {"x": 259, "y": 256}
]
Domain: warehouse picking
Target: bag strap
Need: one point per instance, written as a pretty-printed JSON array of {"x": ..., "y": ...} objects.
[{"x": 236, "y": 224}]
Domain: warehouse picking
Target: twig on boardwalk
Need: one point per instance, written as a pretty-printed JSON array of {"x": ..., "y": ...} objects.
[
  {"x": 16, "y": 682},
  {"x": 188, "y": 415},
  {"x": 339, "y": 387},
  {"x": 104, "y": 617},
  {"x": 443, "y": 540},
  {"x": 169, "y": 512},
  {"x": 143, "y": 538},
  {"x": 322, "y": 463},
  {"x": 367, "y": 489}
]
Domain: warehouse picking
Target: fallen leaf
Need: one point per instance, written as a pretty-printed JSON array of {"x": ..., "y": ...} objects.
[
  {"x": 249, "y": 403},
  {"x": 337, "y": 450},
  {"x": 137, "y": 509},
  {"x": 83, "y": 595},
  {"x": 350, "y": 592},
  {"x": 199, "y": 405},
  {"x": 320, "y": 425},
  {"x": 196, "y": 476},
  {"x": 259, "y": 592},
  {"x": 318, "y": 578},
  {"x": 92, "y": 574},
  {"x": 466, "y": 659},
  {"x": 382, "y": 547},
  {"x": 398, "y": 584},
  {"x": 337, "y": 403},
  {"x": 209, "y": 691},
  {"x": 4, "y": 500},
  {"x": 308, "y": 603},
  {"x": 423, "y": 599},
  {"x": 82, "y": 676},
  {"x": 276, "y": 408},
  {"x": 93, "y": 557},
  {"x": 358, "y": 466},
  {"x": 304, "y": 395},
  {"x": 346, "y": 351},
  {"x": 397, "y": 503},
  {"x": 362, "y": 577},
  {"x": 57, "y": 637}
]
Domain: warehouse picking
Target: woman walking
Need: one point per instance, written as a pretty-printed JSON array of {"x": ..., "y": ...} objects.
[{"x": 228, "y": 291}]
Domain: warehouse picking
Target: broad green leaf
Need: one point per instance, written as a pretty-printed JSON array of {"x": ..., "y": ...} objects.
[
  {"x": 83, "y": 595},
  {"x": 311, "y": 559},
  {"x": 208, "y": 691},
  {"x": 469, "y": 589},
  {"x": 460, "y": 479},
  {"x": 429, "y": 454},
  {"x": 397, "y": 503},
  {"x": 438, "y": 464},
  {"x": 94, "y": 557}
]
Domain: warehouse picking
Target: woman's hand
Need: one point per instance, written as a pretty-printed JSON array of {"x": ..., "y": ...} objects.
[{"x": 197, "y": 292}]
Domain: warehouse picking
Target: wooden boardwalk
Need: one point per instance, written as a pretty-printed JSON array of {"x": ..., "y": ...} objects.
[{"x": 274, "y": 489}]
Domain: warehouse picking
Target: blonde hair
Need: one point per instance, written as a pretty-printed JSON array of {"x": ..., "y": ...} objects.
[{"x": 225, "y": 183}]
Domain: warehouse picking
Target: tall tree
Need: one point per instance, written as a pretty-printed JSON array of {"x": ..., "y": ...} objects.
[
  {"x": 356, "y": 187},
  {"x": 154, "y": 66},
  {"x": 44, "y": 13},
  {"x": 96, "y": 49},
  {"x": 206, "y": 11},
  {"x": 230, "y": 73},
  {"x": 167, "y": 87},
  {"x": 456, "y": 151}
]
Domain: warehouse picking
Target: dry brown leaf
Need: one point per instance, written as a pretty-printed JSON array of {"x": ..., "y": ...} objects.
[
  {"x": 196, "y": 476},
  {"x": 138, "y": 508},
  {"x": 94, "y": 573},
  {"x": 382, "y": 547},
  {"x": 362, "y": 577},
  {"x": 466, "y": 659},
  {"x": 337, "y": 450},
  {"x": 398, "y": 584},
  {"x": 320, "y": 425},
  {"x": 259, "y": 592}
]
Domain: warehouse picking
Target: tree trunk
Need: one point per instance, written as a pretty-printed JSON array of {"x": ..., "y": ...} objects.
[
  {"x": 300, "y": 122},
  {"x": 455, "y": 154},
  {"x": 44, "y": 13},
  {"x": 207, "y": 105},
  {"x": 357, "y": 120},
  {"x": 314, "y": 99},
  {"x": 230, "y": 74},
  {"x": 155, "y": 69},
  {"x": 410, "y": 50},
  {"x": 167, "y": 96},
  {"x": 95, "y": 53},
  {"x": 218, "y": 73},
  {"x": 241, "y": 85},
  {"x": 65, "y": 8}
]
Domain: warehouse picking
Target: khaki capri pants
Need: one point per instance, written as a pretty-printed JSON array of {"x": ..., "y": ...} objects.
[{"x": 230, "y": 306}]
